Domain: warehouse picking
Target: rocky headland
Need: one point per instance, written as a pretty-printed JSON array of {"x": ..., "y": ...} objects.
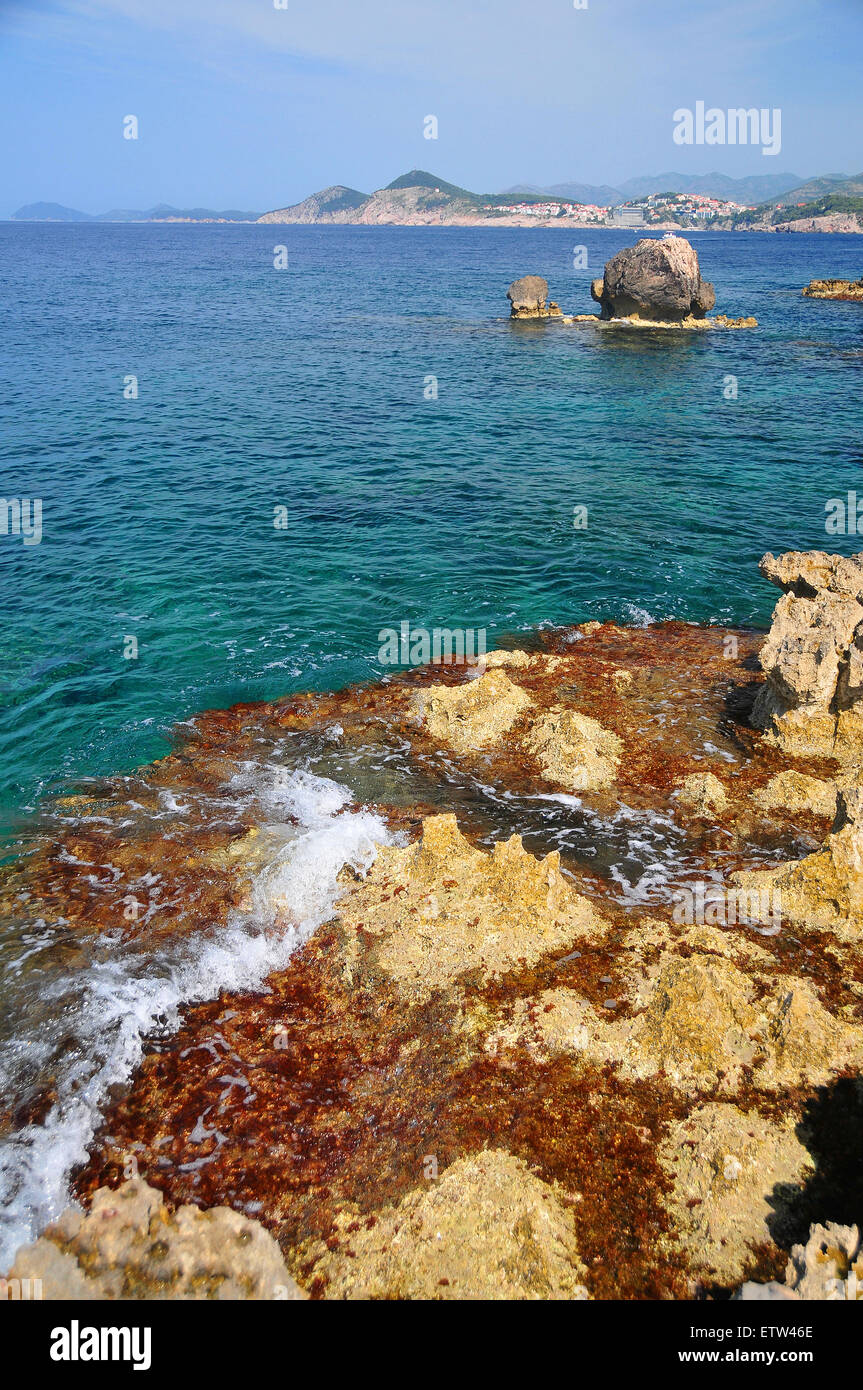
[{"x": 587, "y": 1025}]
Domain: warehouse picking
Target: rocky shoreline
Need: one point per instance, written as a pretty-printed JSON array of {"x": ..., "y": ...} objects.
[{"x": 590, "y": 1025}]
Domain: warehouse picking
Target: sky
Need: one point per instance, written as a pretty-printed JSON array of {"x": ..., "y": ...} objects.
[{"x": 243, "y": 105}]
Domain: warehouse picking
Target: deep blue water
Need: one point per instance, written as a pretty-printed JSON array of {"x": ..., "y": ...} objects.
[{"x": 304, "y": 388}]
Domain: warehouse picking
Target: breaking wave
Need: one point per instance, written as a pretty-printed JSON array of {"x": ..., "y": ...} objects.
[{"x": 93, "y": 1019}]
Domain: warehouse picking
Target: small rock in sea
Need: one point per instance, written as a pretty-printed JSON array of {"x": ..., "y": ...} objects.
[
  {"x": 835, "y": 289},
  {"x": 528, "y": 299},
  {"x": 703, "y": 793}
]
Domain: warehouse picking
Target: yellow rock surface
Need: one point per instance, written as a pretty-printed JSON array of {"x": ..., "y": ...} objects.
[
  {"x": 487, "y": 1228},
  {"x": 439, "y": 908}
]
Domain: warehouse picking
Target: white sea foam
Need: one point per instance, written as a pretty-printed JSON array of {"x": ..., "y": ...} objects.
[
  {"x": 122, "y": 995},
  {"x": 636, "y": 615}
]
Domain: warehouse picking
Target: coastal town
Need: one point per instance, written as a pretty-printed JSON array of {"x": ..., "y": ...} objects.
[{"x": 682, "y": 209}]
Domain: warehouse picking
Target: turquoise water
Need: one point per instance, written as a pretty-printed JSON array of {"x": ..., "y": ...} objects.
[{"x": 303, "y": 388}]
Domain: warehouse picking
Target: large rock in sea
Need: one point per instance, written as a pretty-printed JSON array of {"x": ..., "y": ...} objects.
[
  {"x": 812, "y": 702},
  {"x": 656, "y": 281},
  {"x": 528, "y": 299}
]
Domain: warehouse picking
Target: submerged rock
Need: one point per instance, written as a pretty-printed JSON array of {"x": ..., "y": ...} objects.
[
  {"x": 475, "y": 715},
  {"x": 812, "y": 702},
  {"x": 654, "y": 281},
  {"x": 440, "y": 909},
  {"x": 703, "y": 793},
  {"x": 485, "y": 1229},
  {"x": 573, "y": 750},
  {"x": 528, "y": 299},
  {"x": 130, "y": 1246}
]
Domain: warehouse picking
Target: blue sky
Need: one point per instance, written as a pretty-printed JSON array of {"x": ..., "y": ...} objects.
[{"x": 246, "y": 106}]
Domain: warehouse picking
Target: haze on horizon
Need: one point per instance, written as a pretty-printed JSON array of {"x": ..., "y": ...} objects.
[{"x": 244, "y": 105}]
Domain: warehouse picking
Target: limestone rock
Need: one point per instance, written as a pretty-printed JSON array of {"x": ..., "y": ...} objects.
[
  {"x": 812, "y": 702},
  {"x": 698, "y": 1022},
  {"x": 523, "y": 661},
  {"x": 834, "y": 289},
  {"x": 475, "y": 715},
  {"x": 655, "y": 281},
  {"x": 431, "y": 912},
  {"x": 725, "y": 1164},
  {"x": 487, "y": 1228},
  {"x": 701, "y": 1024},
  {"x": 505, "y": 658},
  {"x": 128, "y": 1245},
  {"x": 795, "y": 791},
  {"x": 824, "y": 889},
  {"x": 573, "y": 750},
  {"x": 704, "y": 793},
  {"x": 528, "y": 299},
  {"x": 621, "y": 680},
  {"x": 828, "y": 1267}
]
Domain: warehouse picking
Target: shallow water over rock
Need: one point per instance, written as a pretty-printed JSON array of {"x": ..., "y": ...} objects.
[{"x": 200, "y": 985}]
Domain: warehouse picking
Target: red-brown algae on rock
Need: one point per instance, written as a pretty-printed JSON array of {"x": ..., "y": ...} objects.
[{"x": 485, "y": 993}]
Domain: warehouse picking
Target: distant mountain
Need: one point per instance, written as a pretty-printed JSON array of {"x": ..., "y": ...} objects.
[
  {"x": 416, "y": 199},
  {"x": 603, "y": 195},
  {"x": 49, "y": 212},
  {"x": 163, "y": 212},
  {"x": 814, "y": 189},
  {"x": 326, "y": 206},
  {"x": 418, "y": 178},
  {"x": 747, "y": 191},
  {"x": 420, "y": 198},
  {"x": 54, "y": 212},
  {"x": 758, "y": 188}
]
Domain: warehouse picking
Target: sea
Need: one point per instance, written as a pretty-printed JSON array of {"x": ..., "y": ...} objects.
[{"x": 257, "y": 448}]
